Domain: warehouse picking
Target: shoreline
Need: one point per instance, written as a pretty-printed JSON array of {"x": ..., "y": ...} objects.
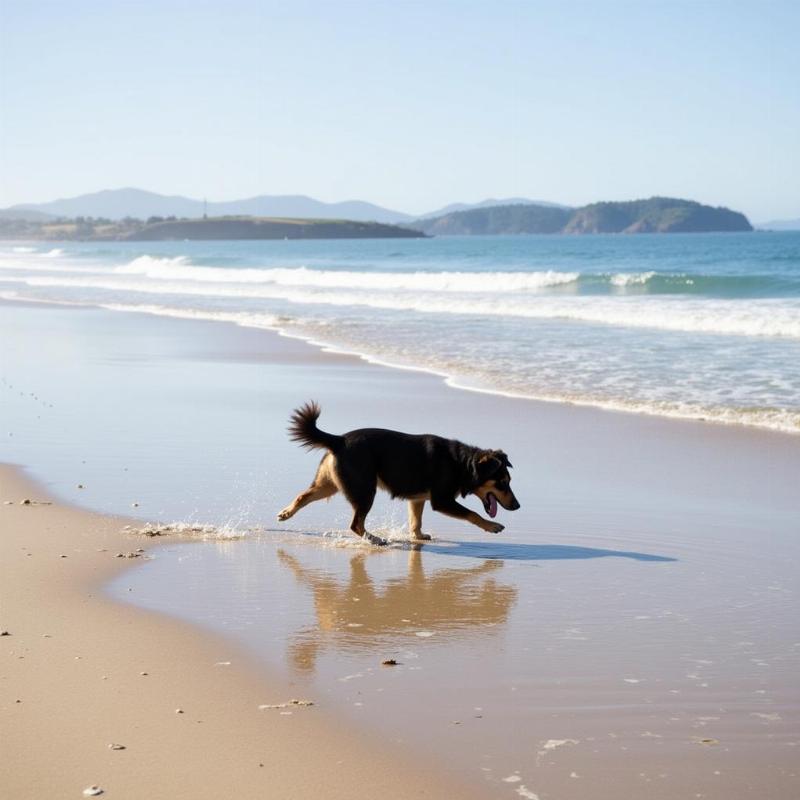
[
  {"x": 82, "y": 671},
  {"x": 725, "y": 419}
]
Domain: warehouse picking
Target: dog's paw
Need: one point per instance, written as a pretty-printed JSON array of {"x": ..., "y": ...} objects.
[
  {"x": 421, "y": 537},
  {"x": 284, "y": 515},
  {"x": 495, "y": 527}
]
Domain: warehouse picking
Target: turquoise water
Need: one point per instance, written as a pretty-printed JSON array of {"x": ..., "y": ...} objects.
[{"x": 696, "y": 326}]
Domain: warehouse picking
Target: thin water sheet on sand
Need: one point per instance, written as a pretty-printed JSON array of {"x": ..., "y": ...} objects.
[{"x": 101, "y": 698}]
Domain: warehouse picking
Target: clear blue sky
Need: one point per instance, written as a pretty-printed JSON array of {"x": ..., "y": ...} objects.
[{"x": 407, "y": 104}]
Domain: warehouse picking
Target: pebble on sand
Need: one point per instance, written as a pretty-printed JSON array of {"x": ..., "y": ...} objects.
[
  {"x": 5, "y": 633},
  {"x": 291, "y": 703},
  {"x": 114, "y": 746},
  {"x": 92, "y": 791}
]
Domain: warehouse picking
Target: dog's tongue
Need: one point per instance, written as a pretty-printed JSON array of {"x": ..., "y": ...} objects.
[{"x": 492, "y": 505}]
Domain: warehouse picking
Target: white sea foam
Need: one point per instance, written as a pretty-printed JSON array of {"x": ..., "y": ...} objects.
[
  {"x": 515, "y": 294},
  {"x": 179, "y": 268},
  {"x": 193, "y": 531},
  {"x": 246, "y": 320},
  {"x": 52, "y": 265},
  {"x": 630, "y": 278},
  {"x": 23, "y": 249},
  {"x": 153, "y": 266},
  {"x": 767, "y": 317},
  {"x": 776, "y": 419},
  {"x": 54, "y": 253}
]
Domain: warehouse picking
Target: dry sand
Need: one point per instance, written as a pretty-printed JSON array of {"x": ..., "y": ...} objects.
[{"x": 79, "y": 672}]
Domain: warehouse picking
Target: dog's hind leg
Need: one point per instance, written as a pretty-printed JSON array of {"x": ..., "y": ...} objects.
[
  {"x": 415, "y": 509},
  {"x": 360, "y": 510},
  {"x": 322, "y": 486},
  {"x": 362, "y": 501}
]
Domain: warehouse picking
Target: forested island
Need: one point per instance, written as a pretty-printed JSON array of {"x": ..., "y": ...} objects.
[{"x": 654, "y": 215}]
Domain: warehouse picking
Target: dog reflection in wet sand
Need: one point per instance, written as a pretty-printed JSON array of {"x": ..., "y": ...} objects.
[
  {"x": 417, "y": 468},
  {"x": 447, "y": 600}
]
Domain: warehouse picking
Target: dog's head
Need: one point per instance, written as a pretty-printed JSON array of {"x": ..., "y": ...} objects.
[{"x": 493, "y": 481}]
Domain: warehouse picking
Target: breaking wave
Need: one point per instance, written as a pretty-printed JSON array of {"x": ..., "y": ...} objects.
[
  {"x": 180, "y": 268},
  {"x": 485, "y": 281}
]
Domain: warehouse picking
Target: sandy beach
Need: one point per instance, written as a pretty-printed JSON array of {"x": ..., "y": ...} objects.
[
  {"x": 633, "y": 629},
  {"x": 81, "y": 674}
]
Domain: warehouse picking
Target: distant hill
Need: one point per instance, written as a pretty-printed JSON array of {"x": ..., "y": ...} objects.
[
  {"x": 779, "y": 225},
  {"x": 117, "y": 204},
  {"x": 491, "y": 202},
  {"x": 655, "y": 215},
  {"x": 25, "y": 214}
]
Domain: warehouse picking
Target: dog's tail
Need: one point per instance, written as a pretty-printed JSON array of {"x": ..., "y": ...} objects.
[{"x": 303, "y": 429}]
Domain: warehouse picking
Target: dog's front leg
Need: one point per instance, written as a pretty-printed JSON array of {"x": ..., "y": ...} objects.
[
  {"x": 415, "y": 509},
  {"x": 453, "y": 508}
]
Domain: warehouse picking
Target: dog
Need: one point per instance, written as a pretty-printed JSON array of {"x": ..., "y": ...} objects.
[{"x": 417, "y": 468}]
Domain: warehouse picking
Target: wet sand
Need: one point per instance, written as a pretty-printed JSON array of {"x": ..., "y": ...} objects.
[
  {"x": 634, "y": 629},
  {"x": 79, "y": 672}
]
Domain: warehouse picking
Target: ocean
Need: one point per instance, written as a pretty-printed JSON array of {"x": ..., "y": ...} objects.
[{"x": 698, "y": 326}]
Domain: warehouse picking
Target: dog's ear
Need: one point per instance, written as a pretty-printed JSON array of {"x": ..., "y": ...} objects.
[
  {"x": 503, "y": 458},
  {"x": 487, "y": 465}
]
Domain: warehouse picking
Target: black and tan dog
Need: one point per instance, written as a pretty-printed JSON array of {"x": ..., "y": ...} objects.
[{"x": 412, "y": 467}]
